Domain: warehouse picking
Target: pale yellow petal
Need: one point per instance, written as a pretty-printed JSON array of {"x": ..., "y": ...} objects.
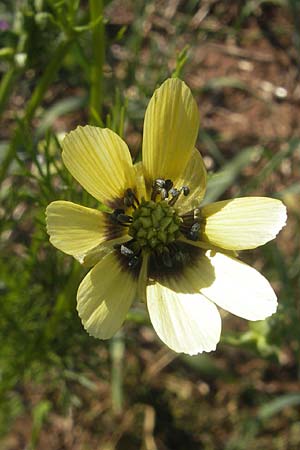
[
  {"x": 170, "y": 130},
  {"x": 243, "y": 223},
  {"x": 93, "y": 256},
  {"x": 194, "y": 177},
  {"x": 76, "y": 230},
  {"x": 105, "y": 296},
  {"x": 140, "y": 181},
  {"x": 100, "y": 161},
  {"x": 232, "y": 285},
  {"x": 187, "y": 323}
]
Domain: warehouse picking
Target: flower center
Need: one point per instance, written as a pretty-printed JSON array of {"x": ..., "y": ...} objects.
[{"x": 154, "y": 225}]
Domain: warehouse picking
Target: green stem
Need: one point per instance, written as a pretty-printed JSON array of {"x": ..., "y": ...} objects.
[
  {"x": 47, "y": 78},
  {"x": 35, "y": 100},
  {"x": 98, "y": 44},
  {"x": 117, "y": 350},
  {"x": 7, "y": 82}
]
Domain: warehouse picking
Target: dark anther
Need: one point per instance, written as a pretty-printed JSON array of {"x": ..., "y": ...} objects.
[
  {"x": 194, "y": 232},
  {"x": 114, "y": 215},
  {"x": 187, "y": 217},
  {"x": 124, "y": 218},
  {"x": 162, "y": 187},
  {"x": 165, "y": 188},
  {"x": 168, "y": 185},
  {"x": 159, "y": 183},
  {"x": 130, "y": 199},
  {"x": 164, "y": 193},
  {"x": 192, "y": 215},
  {"x": 157, "y": 186},
  {"x": 133, "y": 256},
  {"x": 185, "y": 190},
  {"x": 134, "y": 261},
  {"x": 119, "y": 217},
  {"x": 126, "y": 251},
  {"x": 175, "y": 194}
]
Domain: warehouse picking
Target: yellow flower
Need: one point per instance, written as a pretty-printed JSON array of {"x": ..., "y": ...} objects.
[{"x": 157, "y": 244}]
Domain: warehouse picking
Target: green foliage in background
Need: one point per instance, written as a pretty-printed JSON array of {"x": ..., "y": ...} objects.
[{"x": 56, "y": 60}]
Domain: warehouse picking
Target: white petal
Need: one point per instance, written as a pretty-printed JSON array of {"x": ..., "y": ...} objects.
[
  {"x": 187, "y": 323},
  {"x": 233, "y": 285},
  {"x": 243, "y": 223},
  {"x": 104, "y": 297}
]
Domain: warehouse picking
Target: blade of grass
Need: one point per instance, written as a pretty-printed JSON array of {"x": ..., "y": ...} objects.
[
  {"x": 40, "y": 414},
  {"x": 6, "y": 86},
  {"x": 222, "y": 180},
  {"x": 117, "y": 349},
  {"x": 60, "y": 108},
  {"x": 277, "y": 405},
  {"x": 35, "y": 100},
  {"x": 271, "y": 166},
  {"x": 47, "y": 77},
  {"x": 98, "y": 43},
  {"x": 209, "y": 142},
  {"x": 181, "y": 61}
]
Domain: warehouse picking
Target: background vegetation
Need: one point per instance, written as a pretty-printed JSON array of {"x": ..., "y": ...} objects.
[{"x": 64, "y": 63}]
